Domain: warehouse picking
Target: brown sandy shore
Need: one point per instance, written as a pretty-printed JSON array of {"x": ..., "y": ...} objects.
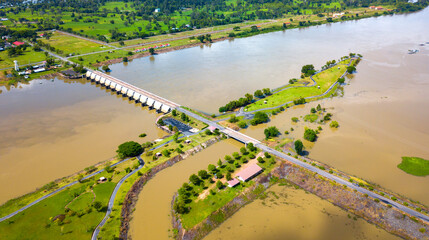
[{"x": 388, "y": 218}]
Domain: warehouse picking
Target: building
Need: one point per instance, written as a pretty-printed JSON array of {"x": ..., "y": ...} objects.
[
  {"x": 371, "y": 7},
  {"x": 249, "y": 172},
  {"x": 157, "y": 10},
  {"x": 39, "y": 70},
  {"x": 18, "y": 43},
  {"x": 232, "y": 183},
  {"x": 379, "y": 8},
  {"x": 337, "y": 15}
]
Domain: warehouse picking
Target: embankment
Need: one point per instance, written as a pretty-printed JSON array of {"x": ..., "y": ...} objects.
[
  {"x": 132, "y": 195},
  {"x": 390, "y": 219}
]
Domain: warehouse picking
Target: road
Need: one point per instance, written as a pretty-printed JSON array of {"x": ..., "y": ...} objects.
[
  {"x": 344, "y": 182},
  {"x": 55, "y": 192}
]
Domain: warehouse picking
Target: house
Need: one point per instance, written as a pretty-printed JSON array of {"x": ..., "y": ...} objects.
[
  {"x": 1, "y": 49},
  {"x": 18, "y": 43},
  {"x": 71, "y": 74},
  {"x": 335, "y": 15},
  {"x": 39, "y": 70},
  {"x": 211, "y": 128},
  {"x": 287, "y": 23},
  {"x": 232, "y": 183},
  {"x": 371, "y": 7},
  {"x": 249, "y": 172},
  {"x": 157, "y": 10},
  {"x": 102, "y": 179},
  {"x": 187, "y": 141},
  {"x": 4, "y": 19},
  {"x": 158, "y": 154},
  {"x": 379, "y": 8}
]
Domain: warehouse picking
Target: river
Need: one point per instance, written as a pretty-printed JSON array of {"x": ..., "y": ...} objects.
[{"x": 51, "y": 129}]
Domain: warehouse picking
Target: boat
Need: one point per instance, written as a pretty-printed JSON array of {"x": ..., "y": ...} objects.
[{"x": 412, "y": 51}]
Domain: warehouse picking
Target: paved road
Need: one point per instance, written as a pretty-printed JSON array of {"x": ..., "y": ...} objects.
[
  {"x": 55, "y": 192},
  {"x": 344, "y": 182},
  {"x": 112, "y": 200}
]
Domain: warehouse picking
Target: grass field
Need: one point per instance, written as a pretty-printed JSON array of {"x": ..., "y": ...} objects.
[
  {"x": 78, "y": 223},
  {"x": 29, "y": 56},
  {"x": 202, "y": 207},
  {"x": 73, "y": 45},
  {"x": 323, "y": 80},
  {"x": 415, "y": 166},
  {"x": 112, "y": 226}
]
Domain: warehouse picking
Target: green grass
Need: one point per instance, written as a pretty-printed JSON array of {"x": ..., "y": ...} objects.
[
  {"x": 414, "y": 166},
  {"x": 73, "y": 45},
  {"x": 37, "y": 220},
  {"x": 112, "y": 226},
  {"x": 323, "y": 79},
  {"x": 29, "y": 56}
]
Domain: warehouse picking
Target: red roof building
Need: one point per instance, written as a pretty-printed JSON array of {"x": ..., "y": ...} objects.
[
  {"x": 232, "y": 183},
  {"x": 17, "y": 43},
  {"x": 249, "y": 172}
]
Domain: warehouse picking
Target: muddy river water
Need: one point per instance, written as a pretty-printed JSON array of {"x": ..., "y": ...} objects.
[{"x": 53, "y": 129}]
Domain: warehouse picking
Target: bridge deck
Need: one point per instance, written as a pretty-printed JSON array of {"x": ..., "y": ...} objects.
[{"x": 137, "y": 89}]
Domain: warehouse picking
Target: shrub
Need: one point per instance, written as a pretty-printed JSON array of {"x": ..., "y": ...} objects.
[
  {"x": 142, "y": 135},
  {"x": 271, "y": 132},
  {"x": 242, "y": 124},
  {"x": 310, "y": 135},
  {"x": 334, "y": 124},
  {"x": 260, "y": 160}
]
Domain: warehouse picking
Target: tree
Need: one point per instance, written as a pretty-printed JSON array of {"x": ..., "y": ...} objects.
[
  {"x": 106, "y": 68},
  {"x": 260, "y": 160},
  {"x": 228, "y": 176},
  {"x": 329, "y": 19},
  {"x": 203, "y": 174},
  {"x": 266, "y": 91},
  {"x": 151, "y": 51},
  {"x": 129, "y": 149},
  {"x": 194, "y": 179},
  {"x": 308, "y": 70},
  {"x": 295, "y": 119},
  {"x": 310, "y": 135},
  {"x": 271, "y": 132},
  {"x": 242, "y": 124},
  {"x": 341, "y": 80},
  {"x": 219, "y": 162},
  {"x": 212, "y": 168},
  {"x": 351, "y": 69},
  {"x": 125, "y": 59},
  {"x": 180, "y": 207},
  {"x": 219, "y": 185},
  {"x": 97, "y": 205},
  {"x": 251, "y": 147},
  {"x": 244, "y": 151},
  {"x": 236, "y": 155},
  {"x": 318, "y": 108},
  {"x": 299, "y": 146},
  {"x": 258, "y": 94}
]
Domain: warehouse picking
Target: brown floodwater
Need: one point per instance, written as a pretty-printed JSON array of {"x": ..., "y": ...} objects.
[
  {"x": 288, "y": 213},
  {"x": 53, "y": 129},
  {"x": 151, "y": 219}
]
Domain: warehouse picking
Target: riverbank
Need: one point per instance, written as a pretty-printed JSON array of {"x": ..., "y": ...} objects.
[
  {"x": 373, "y": 211},
  {"x": 132, "y": 195}
]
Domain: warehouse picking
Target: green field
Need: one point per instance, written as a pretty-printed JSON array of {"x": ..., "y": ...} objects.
[
  {"x": 28, "y": 57},
  {"x": 112, "y": 226},
  {"x": 202, "y": 207},
  {"x": 415, "y": 166},
  {"x": 324, "y": 79},
  {"x": 79, "y": 222},
  {"x": 73, "y": 45}
]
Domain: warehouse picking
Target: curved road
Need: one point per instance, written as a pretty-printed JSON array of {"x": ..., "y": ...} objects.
[{"x": 55, "y": 192}]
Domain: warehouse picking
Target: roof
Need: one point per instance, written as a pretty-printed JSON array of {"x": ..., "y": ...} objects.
[
  {"x": 233, "y": 182},
  {"x": 249, "y": 172},
  {"x": 212, "y": 128},
  {"x": 18, "y": 43}
]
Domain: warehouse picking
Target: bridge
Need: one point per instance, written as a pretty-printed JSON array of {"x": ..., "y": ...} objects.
[
  {"x": 132, "y": 92},
  {"x": 164, "y": 105}
]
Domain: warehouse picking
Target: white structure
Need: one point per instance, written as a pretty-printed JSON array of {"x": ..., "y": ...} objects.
[
  {"x": 16, "y": 65},
  {"x": 157, "y": 105}
]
